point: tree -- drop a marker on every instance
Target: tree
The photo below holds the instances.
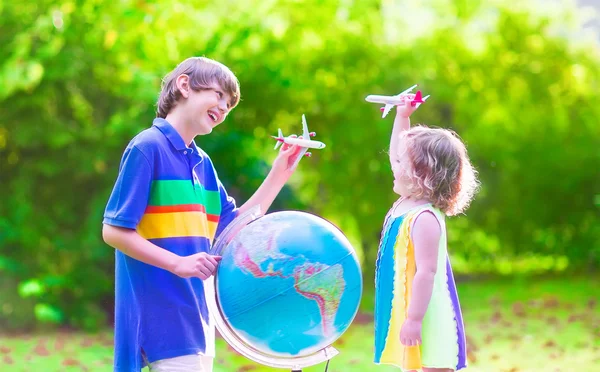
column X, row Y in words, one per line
column 78, row 79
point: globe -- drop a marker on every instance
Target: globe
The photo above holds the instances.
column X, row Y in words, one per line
column 288, row 285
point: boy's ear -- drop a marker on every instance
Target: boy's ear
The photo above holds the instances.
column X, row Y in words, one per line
column 183, row 85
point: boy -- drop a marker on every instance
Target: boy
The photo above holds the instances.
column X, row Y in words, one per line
column 165, row 210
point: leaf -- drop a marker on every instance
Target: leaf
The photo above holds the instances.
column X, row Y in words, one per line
column 31, row 288
column 46, row 313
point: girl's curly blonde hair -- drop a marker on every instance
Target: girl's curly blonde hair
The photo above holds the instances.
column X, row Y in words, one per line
column 438, row 168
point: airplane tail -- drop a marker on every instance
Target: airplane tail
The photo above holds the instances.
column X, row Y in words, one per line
column 279, row 139
column 418, row 98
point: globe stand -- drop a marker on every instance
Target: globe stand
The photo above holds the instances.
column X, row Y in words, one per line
column 326, row 367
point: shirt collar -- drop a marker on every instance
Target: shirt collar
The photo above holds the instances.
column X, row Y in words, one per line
column 167, row 129
column 173, row 136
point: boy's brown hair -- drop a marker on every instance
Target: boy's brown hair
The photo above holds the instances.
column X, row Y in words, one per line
column 202, row 72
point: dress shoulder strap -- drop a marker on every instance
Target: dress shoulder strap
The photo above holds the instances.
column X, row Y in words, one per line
column 439, row 215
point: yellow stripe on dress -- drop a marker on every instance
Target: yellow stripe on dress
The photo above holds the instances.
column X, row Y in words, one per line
column 176, row 224
column 407, row 357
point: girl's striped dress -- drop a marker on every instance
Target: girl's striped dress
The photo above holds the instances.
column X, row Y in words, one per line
column 443, row 337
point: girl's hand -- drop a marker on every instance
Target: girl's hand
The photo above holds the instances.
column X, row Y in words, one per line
column 410, row 333
column 406, row 109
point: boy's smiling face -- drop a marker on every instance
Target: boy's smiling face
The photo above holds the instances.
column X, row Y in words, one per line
column 203, row 109
column 207, row 108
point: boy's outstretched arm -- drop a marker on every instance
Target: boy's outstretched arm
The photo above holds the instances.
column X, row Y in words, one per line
column 275, row 180
column 128, row 241
column 426, row 237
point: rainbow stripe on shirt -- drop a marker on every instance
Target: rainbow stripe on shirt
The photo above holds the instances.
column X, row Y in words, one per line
column 177, row 208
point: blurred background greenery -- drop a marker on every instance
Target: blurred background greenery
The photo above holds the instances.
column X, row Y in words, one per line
column 519, row 81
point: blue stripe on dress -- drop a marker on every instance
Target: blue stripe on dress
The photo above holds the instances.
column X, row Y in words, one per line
column 384, row 285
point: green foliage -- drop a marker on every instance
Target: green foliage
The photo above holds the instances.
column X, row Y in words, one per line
column 78, row 79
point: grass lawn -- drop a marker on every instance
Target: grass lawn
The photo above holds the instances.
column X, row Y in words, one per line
column 511, row 325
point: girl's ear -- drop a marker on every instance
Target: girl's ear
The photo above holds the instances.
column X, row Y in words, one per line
column 183, row 85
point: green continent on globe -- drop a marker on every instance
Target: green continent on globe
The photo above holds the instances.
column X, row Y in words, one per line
column 265, row 260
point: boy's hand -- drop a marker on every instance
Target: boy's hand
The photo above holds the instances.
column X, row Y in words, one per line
column 410, row 333
column 282, row 165
column 201, row 265
column 405, row 110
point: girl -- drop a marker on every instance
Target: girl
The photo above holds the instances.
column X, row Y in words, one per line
column 418, row 322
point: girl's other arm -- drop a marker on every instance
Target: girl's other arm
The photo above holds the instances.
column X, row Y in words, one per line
column 426, row 237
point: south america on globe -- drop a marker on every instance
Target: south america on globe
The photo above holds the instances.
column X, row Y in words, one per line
column 289, row 284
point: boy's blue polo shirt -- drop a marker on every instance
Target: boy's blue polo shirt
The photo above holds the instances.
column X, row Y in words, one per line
column 171, row 195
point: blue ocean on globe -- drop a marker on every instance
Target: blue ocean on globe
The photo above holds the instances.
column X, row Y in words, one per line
column 289, row 284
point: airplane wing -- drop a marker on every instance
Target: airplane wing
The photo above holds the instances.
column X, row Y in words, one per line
column 386, row 110
column 305, row 135
column 408, row 90
column 305, row 132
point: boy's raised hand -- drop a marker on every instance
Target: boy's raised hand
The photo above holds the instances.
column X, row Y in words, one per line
column 201, row 265
column 283, row 163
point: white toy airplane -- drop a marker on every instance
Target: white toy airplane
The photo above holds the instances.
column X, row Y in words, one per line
column 391, row 101
column 305, row 142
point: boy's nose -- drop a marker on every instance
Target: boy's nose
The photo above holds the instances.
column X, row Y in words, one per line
column 223, row 107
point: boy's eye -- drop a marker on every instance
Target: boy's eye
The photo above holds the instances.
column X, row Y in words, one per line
column 220, row 94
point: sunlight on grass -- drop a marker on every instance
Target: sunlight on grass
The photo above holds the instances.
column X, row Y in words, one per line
column 512, row 326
